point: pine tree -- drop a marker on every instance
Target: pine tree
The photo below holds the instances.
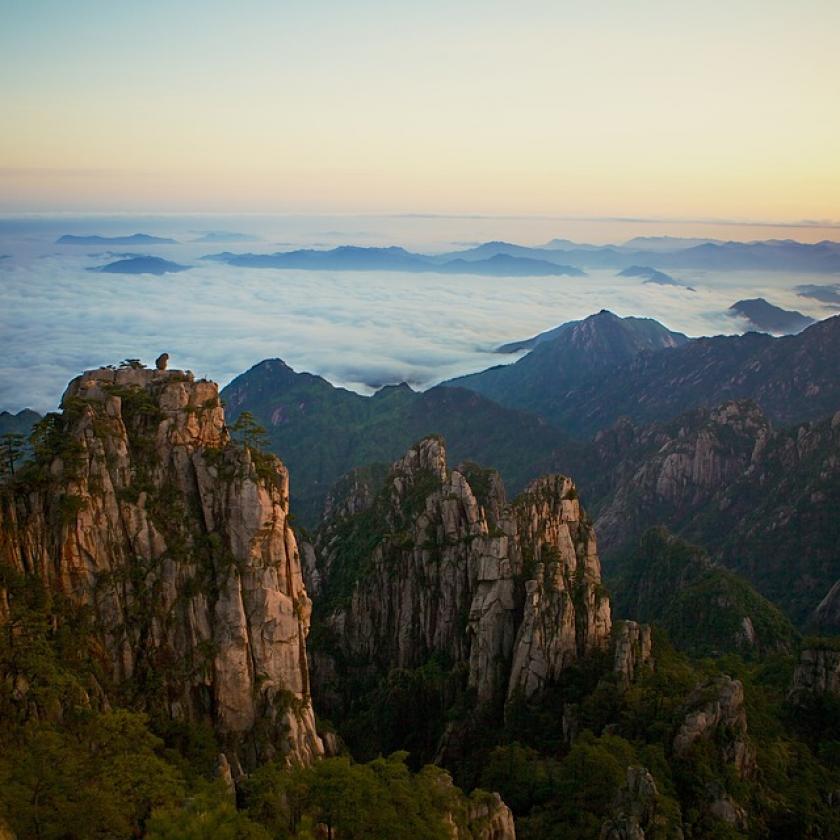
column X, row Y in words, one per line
column 11, row 451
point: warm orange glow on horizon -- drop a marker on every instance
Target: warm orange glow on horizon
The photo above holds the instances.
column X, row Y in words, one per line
column 671, row 110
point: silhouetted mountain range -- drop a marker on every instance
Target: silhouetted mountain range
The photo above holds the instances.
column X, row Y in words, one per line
column 224, row 236
column 353, row 258
column 558, row 257
column 770, row 255
column 132, row 239
column 20, row 423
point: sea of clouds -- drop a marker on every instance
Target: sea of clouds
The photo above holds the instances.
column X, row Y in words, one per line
column 357, row 329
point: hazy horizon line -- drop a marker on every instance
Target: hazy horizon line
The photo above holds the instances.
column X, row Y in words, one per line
column 391, row 214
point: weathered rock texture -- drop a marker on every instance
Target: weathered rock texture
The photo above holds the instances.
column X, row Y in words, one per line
column 762, row 501
column 826, row 617
column 178, row 541
column 674, row 470
column 489, row 819
column 633, row 651
column 817, row 673
column 438, row 562
column 716, row 710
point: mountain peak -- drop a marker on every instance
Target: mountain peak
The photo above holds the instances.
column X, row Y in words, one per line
column 427, row 456
column 766, row 317
column 607, row 332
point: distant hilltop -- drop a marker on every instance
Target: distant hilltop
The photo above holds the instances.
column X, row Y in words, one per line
column 765, row 317
column 133, row 239
column 652, row 276
column 141, row 265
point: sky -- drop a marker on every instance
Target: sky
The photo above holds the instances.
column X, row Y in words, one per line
column 673, row 110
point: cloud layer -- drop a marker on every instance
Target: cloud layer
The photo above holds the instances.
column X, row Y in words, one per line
column 357, row 329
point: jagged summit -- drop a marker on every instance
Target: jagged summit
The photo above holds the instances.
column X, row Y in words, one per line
column 427, row 456
column 437, row 563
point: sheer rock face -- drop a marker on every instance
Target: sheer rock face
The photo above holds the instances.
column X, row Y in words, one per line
column 633, row 651
column 826, row 617
column 566, row 614
column 817, row 674
column 509, row 592
column 718, row 706
column 178, row 540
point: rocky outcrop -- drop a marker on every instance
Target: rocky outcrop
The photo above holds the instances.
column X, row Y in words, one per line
column 141, row 509
column 817, row 674
column 633, row 651
column 723, row 807
column 826, row 617
column 716, row 710
column 761, row 501
column 481, row 816
column 566, row 612
column 510, row 593
column 679, row 467
column 634, row 812
column 489, row 819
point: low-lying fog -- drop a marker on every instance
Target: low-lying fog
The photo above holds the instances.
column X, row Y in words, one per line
column 357, row 329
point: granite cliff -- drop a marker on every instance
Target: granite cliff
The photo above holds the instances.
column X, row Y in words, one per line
column 141, row 511
column 437, row 567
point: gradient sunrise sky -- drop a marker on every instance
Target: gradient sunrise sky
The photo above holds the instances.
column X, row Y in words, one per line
column 673, row 109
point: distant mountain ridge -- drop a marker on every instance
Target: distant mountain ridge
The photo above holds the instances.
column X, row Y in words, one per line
column 568, row 258
column 828, row 293
column 224, row 236
column 707, row 255
column 324, row 431
column 132, row 239
column 20, row 423
column 354, row 258
column 583, row 380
